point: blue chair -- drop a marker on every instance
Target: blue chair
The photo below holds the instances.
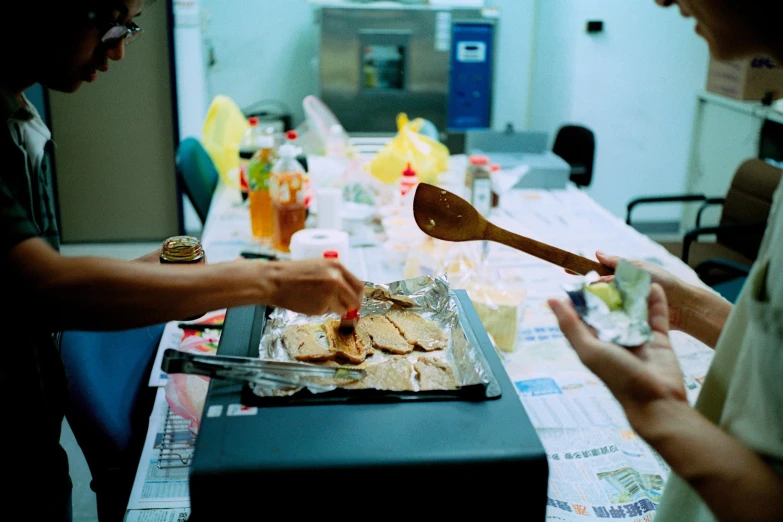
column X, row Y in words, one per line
column 197, row 174
column 109, row 407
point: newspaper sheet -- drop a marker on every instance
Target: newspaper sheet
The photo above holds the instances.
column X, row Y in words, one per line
column 158, row 515
column 203, row 341
column 162, row 477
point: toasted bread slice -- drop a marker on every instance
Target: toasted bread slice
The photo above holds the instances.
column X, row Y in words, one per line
column 383, row 334
column 344, row 345
column 435, row 374
column 417, row 330
column 363, row 339
column 394, row 374
column 307, row 343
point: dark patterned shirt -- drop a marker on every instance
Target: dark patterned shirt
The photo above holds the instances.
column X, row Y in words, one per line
column 33, row 384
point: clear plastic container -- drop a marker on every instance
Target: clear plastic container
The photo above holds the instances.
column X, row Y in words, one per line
column 259, row 172
column 251, row 142
column 287, row 190
column 478, row 183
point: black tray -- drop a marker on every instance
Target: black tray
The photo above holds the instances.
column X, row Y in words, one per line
column 471, row 326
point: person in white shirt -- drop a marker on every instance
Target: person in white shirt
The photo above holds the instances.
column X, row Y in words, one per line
column 726, row 453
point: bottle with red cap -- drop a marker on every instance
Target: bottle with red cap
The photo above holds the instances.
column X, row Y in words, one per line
column 288, row 190
column 351, row 317
column 407, row 186
column 251, row 142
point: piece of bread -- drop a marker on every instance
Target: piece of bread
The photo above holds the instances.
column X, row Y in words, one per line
column 417, row 330
column 394, row 374
column 435, row 374
column 308, row 343
column 383, row 333
column 344, row 345
column 363, row 339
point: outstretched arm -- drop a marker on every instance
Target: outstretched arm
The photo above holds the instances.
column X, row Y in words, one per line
column 734, row 481
column 103, row 294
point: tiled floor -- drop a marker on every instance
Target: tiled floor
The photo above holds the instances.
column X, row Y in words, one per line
column 84, row 508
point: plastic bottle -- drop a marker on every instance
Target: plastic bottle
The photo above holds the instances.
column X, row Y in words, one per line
column 259, row 171
column 247, row 147
column 287, row 190
column 479, row 183
column 407, row 187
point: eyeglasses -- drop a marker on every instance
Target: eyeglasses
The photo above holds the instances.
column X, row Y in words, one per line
column 118, row 32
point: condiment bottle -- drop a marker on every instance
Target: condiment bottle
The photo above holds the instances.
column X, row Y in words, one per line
column 259, row 171
column 182, row 249
column 287, row 190
column 351, row 317
column 479, row 176
column 407, row 186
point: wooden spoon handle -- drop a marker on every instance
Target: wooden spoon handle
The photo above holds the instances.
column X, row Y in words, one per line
column 580, row 265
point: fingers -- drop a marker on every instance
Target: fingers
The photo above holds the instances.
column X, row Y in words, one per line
column 354, row 282
column 350, row 289
column 575, row 330
column 606, row 259
column 610, row 362
column 658, row 309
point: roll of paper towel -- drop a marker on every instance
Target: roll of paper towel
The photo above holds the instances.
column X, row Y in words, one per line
column 311, row 243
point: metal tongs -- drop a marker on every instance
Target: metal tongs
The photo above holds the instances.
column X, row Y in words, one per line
column 258, row 372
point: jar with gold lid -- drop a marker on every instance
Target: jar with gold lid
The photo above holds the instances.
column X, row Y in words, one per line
column 182, row 249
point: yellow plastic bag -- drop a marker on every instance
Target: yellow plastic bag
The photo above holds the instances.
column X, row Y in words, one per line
column 223, row 129
column 428, row 157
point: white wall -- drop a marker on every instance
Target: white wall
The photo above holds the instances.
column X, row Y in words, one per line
column 514, row 62
column 263, row 49
column 635, row 85
column 192, row 97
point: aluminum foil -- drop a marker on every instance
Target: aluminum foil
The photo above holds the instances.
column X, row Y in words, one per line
column 432, row 300
column 627, row 325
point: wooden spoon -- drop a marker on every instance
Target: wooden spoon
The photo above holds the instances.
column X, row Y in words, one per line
column 444, row 215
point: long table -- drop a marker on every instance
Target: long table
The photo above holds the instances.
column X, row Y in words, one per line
column 599, row 468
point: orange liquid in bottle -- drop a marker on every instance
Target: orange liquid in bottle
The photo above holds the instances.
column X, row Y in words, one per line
column 288, row 219
column 261, row 213
column 289, row 211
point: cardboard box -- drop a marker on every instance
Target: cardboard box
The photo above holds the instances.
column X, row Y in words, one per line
column 748, row 79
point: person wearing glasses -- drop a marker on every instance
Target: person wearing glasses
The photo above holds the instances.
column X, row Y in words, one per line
column 726, row 453
column 62, row 45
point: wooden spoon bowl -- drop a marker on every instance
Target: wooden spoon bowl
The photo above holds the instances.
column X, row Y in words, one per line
column 444, row 215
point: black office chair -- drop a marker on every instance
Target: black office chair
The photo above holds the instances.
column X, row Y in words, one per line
column 109, row 405
column 576, row 145
column 197, row 174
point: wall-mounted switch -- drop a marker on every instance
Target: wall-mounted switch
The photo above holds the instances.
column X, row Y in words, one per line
column 595, row 26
